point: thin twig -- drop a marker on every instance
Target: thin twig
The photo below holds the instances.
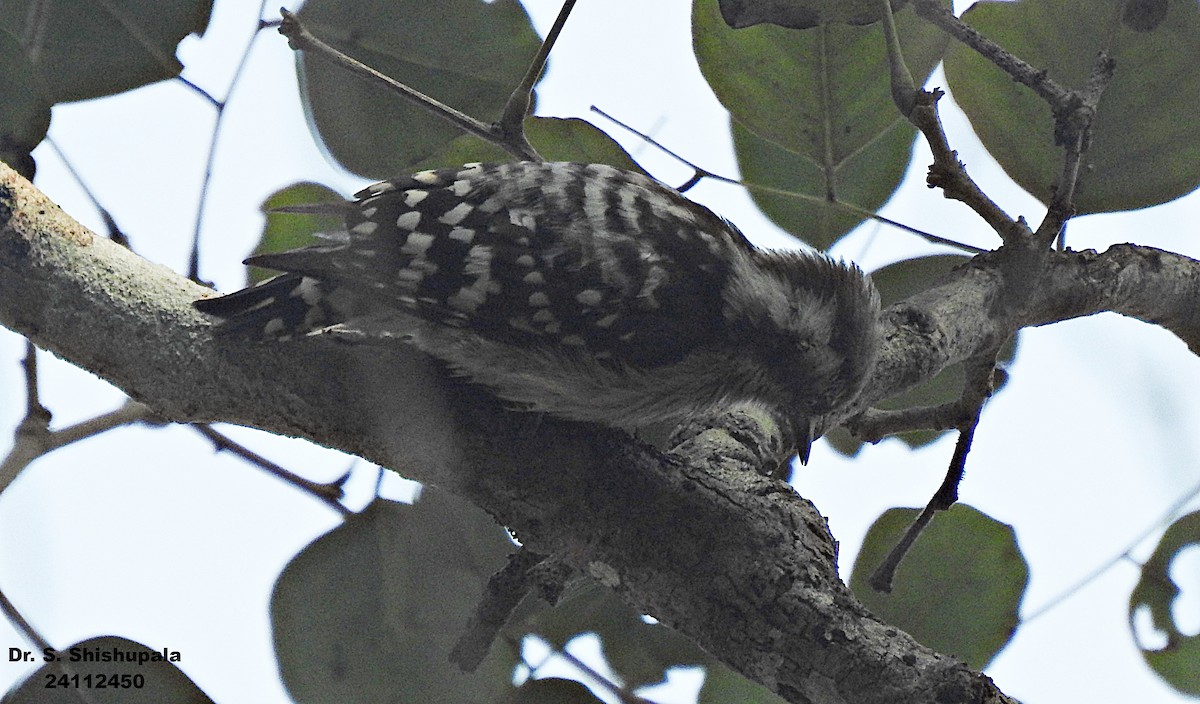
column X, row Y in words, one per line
column 329, row 493
column 874, row 424
column 623, row 694
column 302, row 40
column 975, row 393
column 1127, row 554
column 34, row 438
column 950, row 175
column 1074, row 131
column 33, row 636
column 702, row 173
column 1020, row 71
column 130, row 412
column 114, row 231
column 512, row 120
column 503, row 594
column 904, row 91
column 33, row 402
column 219, row 105
column 883, row 576
column 920, row 108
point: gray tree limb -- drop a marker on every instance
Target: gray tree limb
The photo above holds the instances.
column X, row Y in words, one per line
column 732, row 559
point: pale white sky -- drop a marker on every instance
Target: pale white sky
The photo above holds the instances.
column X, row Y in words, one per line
column 145, row 533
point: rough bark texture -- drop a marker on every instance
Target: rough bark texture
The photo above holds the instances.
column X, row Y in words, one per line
column 732, row 559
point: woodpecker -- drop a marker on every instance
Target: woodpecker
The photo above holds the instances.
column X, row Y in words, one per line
column 580, row 290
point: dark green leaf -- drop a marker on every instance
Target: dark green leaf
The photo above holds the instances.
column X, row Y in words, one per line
column 559, row 139
column 866, row 179
column 163, row 682
column 639, row 652
column 960, row 586
column 468, row 54
column 1178, row 662
column 1144, row 15
column 284, row 231
column 1146, row 141
column 24, row 112
column 556, row 139
column 724, row 686
column 802, row 14
column 822, row 95
column 82, row 49
column 369, row 611
column 552, row 690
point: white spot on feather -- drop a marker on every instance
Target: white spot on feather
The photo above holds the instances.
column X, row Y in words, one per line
column 456, row 214
column 417, row 244
column 589, row 297
column 428, row 178
column 409, row 220
column 365, row 228
column 308, row 291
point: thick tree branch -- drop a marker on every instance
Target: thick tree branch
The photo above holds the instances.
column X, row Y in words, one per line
column 733, row 559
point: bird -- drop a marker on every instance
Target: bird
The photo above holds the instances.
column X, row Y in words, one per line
column 584, row 291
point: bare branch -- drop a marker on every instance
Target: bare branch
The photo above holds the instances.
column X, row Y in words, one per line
column 950, row 175
column 976, row 392
column 1074, row 131
column 302, row 40
column 1022, row 72
column 34, row 437
column 328, row 493
column 131, row 322
column 218, row 123
column 512, row 120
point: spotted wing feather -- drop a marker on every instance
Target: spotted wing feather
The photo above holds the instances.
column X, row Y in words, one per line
column 558, row 254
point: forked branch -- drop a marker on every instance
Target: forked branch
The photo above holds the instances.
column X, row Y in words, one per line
column 508, row 132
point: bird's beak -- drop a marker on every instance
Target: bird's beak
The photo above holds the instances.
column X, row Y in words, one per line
column 804, row 441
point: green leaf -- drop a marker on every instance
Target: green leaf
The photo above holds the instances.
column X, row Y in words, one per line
column 824, row 96
column 572, row 139
column 556, row 139
column 724, row 686
column 960, row 586
column 802, row 14
column 284, row 231
column 468, row 54
column 866, row 179
column 1146, row 141
column 83, row 49
column 24, row 112
column 1178, row 662
column 552, row 690
column 162, row 682
column 639, row 652
column 369, row 611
